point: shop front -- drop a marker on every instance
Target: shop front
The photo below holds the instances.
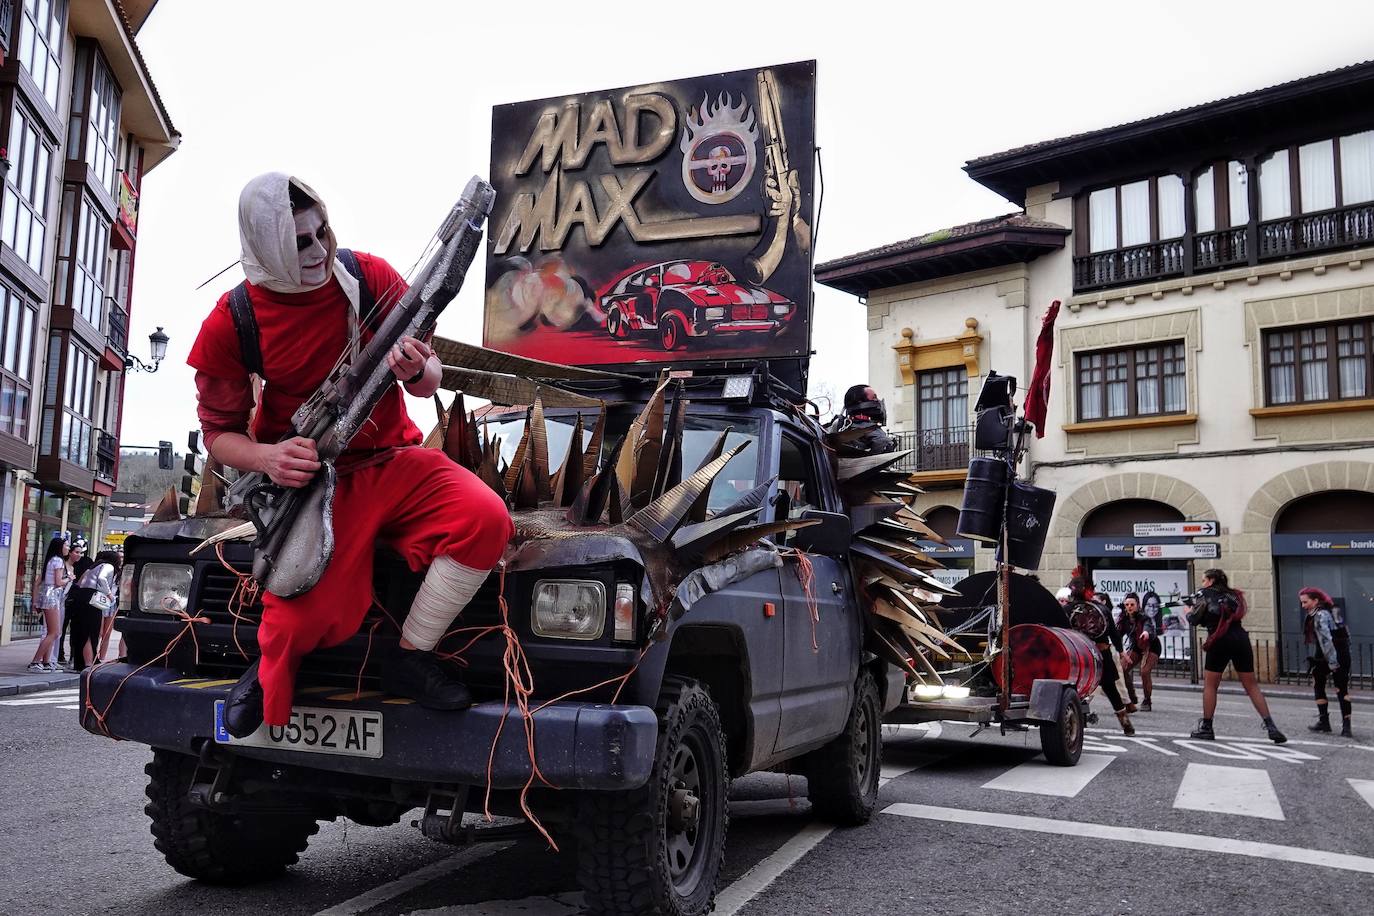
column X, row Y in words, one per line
column 1326, row 541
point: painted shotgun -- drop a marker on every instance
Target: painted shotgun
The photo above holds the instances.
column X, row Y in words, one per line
column 295, row 531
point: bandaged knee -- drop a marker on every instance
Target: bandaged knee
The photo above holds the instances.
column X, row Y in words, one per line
column 447, row 589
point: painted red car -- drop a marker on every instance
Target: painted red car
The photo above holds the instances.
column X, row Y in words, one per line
column 681, row 299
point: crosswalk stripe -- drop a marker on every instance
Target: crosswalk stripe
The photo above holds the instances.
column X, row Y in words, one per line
column 1041, row 778
column 1228, row 790
column 40, row 700
column 1365, row 788
column 1166, row 838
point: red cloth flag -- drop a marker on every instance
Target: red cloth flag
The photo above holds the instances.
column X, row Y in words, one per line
column 1038, row 394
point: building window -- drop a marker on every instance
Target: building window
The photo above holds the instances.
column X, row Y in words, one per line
column 40, row 45
column 83, row 260
column 1135, row 213
column 1328, row 362
column 79, row 404
column 95, row 118
column 942, row 422
column 1136, row 382
column 23, row 224
column 18, row 319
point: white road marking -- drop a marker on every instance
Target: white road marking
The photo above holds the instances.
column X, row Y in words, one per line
column 753, row 882
column 42, row 699
column 73, row 706
column 407, row 883
column 1279, row 752
column 1365, row 787
column 1213, row 749
column 1150, row 743
column 1041, row 778
column 1241, row 738
column 1228, row 790
column 1166, row 838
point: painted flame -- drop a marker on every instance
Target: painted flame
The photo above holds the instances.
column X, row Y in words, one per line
column 709, row 118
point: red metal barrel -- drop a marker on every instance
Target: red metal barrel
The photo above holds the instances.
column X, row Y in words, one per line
column 1039, row 651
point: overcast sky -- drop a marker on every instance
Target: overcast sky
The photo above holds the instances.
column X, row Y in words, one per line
column 386, row 110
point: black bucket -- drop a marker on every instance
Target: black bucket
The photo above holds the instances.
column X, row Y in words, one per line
column 992, row 429
column 980, row 516
column 1028, row 522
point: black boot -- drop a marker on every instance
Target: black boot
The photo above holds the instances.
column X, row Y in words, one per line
column 1345, row 728
column 1323, row 721
column 243, row 704
column 421, row 676
column 1275, row 735
column 1203, row 731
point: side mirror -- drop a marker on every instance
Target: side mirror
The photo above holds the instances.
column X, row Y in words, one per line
column 831, row 537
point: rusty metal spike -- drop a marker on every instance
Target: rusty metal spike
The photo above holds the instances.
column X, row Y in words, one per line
column 883, row 646
column 568, row 483
column 751, row 500
column 748, row 534
column 455, row 432
column 526, row 492
column 628, row 467
column 211, row 496
column 539, row 450
column 647, row 452
column 854, row 468
column 689, row 540
column 666, row 514
column 592, row 456
column 513, row 469
column 698, row 511
column 598, row 489
column 490, row 476
column 473, row 447
column 168, row 508
column 669, row 472
column 615, row 502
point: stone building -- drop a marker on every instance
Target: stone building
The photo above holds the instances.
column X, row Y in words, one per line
column 1214, row 357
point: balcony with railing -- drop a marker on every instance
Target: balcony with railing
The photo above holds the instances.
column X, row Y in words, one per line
column 106, row 455
column 944, row 449
column 116, row 334
column 1277, row 239
column 6, row 25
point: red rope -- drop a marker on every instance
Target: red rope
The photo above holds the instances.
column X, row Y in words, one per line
column 88, row 708
column 806, row 575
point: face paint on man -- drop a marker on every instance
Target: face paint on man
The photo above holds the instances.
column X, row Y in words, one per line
column 312, row 250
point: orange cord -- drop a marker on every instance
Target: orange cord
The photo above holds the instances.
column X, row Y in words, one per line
column 100, row 714
column 806, row 574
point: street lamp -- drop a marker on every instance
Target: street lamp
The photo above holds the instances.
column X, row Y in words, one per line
column 157, row 344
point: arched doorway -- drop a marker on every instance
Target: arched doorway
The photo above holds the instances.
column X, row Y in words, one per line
column 1106, row 546
column 1325, row 540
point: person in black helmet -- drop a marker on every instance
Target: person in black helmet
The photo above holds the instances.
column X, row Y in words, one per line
column 858, row 429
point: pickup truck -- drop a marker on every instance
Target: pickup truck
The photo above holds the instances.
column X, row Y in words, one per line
column 761, row 673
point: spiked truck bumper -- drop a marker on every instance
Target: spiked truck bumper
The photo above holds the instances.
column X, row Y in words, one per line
column 577, row 745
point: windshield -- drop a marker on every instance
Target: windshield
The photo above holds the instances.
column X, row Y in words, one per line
column 698, row 434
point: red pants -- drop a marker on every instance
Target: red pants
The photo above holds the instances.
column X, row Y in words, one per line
column 420, row 504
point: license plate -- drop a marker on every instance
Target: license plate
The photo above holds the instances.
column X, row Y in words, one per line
column 315, row 730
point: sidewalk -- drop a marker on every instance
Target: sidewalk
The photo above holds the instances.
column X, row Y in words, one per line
column 16, row 678
column 1287, row 691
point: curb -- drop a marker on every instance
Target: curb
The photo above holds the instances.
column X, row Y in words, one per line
column 12, row 686
column 1232, row 689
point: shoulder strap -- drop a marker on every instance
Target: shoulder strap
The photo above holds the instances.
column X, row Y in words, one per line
column 246, row 323
column 367, row 305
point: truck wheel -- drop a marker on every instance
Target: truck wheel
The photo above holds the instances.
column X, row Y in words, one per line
column 215, row 847
column 658, row 849
column 842, row 776
column 1062, row 739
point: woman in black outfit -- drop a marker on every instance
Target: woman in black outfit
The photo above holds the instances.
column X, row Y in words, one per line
column 1140, row 636
column 1325, row 632
column 1219, row 608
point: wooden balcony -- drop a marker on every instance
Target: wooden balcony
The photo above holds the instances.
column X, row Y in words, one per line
column 1276, row 240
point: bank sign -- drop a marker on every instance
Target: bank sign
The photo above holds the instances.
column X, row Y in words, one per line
column 655, row 223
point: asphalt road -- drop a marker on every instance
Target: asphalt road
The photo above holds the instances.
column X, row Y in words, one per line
column 1156, row 825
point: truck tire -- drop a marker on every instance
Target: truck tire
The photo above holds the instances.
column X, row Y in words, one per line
column 658, row 849
column 1062, row 739
column 216, row 847
column 842, row 776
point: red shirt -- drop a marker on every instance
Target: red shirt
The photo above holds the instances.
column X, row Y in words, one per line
column 301, row 336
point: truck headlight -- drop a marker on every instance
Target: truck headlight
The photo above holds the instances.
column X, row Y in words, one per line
column 164, row 588
column 715, row 313
column 569, row 608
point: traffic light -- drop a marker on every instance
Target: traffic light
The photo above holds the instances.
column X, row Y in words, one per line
column 193, row 442
column 166, row 461
column 189, row 465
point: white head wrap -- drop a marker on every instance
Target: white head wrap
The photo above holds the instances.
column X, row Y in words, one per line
column 267, row 236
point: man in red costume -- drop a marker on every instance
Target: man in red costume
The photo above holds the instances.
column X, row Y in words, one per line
column 434, row 513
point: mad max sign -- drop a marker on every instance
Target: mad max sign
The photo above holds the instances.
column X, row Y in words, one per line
column 657, row 223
